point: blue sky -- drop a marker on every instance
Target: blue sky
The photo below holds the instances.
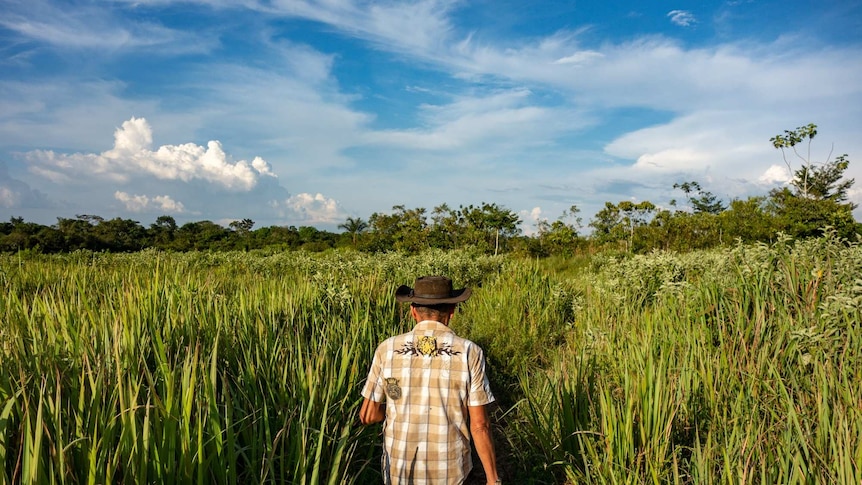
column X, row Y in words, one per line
column 295, row 112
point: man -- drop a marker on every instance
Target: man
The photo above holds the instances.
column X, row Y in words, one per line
column 430, row 387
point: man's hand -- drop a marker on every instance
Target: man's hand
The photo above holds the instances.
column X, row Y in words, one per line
column 372, row 412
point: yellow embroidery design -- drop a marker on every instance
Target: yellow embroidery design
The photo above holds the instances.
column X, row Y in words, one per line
column 427, row 346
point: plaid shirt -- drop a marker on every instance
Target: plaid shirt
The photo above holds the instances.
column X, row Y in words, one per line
column 428, row 377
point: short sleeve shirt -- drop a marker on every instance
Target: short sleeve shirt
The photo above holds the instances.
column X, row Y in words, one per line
column 427, row 377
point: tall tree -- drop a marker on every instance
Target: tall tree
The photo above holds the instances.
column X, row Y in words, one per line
column 561, row 236
column 618, row 222
column 354, row 227
column 403, row 230
column 819, row 194
column 162, row 231
column 490, row 224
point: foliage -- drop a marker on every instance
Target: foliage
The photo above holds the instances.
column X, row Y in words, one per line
column 704, row 201
column 714, row 366
column 818, row 198
column 561, row 236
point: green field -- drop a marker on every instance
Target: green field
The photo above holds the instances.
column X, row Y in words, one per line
column 729, row 366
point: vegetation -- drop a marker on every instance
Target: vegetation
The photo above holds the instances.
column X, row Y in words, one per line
column 729, row 365
column 719, row 345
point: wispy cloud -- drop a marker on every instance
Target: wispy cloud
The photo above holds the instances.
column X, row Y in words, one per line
column 683, row 18
column 94, row 26
column 500, row 117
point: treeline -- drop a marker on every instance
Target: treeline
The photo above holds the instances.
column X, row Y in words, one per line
column 814, row 201
column 489, row 228
column 94, row 233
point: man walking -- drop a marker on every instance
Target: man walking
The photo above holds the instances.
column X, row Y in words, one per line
column 430, row 389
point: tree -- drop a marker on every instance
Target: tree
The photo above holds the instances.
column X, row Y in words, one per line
column 749, row 220
column 121, row 235
column 200, row 236
column 78, row 233
column 242, row 227
column 561, row 236
column 242, row 230
column 810, row 180
column 354, row 227
column 819, row 193
column 704, row 202
column 617, row 221
column 607, row 224
column 162, row 231
column 501, row 221
column 489, row 222
column 403, row 230
column 17, row 235
column 445, row 227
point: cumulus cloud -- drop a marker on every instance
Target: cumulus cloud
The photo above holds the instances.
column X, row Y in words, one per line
column 132, row 156
column 311, row 209
column 141, row 203
column 683, row 18
column 530, row 220
column 776, row 174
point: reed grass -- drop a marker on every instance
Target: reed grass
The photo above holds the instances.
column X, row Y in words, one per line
column 737, row 365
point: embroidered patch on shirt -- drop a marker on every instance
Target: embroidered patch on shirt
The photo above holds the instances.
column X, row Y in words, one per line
column 426, row 346
column 392, row 388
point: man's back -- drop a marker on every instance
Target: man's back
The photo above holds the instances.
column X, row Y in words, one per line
column 429, row 377
column 435, row 391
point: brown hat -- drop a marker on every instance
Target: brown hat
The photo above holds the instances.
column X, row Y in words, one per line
column 432, row 290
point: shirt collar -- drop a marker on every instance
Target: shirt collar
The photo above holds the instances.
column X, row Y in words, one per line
column 431, row 325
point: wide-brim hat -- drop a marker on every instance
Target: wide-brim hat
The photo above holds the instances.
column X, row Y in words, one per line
column 432, row 290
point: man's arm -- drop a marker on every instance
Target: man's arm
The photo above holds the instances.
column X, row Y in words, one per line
column 480, row 429
column 372, row 411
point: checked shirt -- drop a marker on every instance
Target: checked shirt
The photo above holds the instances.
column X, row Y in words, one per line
column 427, row 377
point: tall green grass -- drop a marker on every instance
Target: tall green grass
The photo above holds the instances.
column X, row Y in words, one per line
column 737, row 365
column 156, row 368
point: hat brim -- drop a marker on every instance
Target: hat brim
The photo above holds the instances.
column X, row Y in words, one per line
column 405, row 294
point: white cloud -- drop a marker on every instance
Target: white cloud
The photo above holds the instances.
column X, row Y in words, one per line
column 673, row 160
column 132, row 156
column 854, row 195
column 683, row 18
column 94, row 27
column 775, row 174
column 494, row 121
column 401, row 26
column 311, row 209
column 580, row 57
column 8, row 198
column 530, row 220
column 141, row 203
